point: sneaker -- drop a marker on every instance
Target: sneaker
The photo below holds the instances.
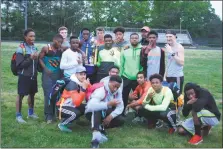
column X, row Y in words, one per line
column 137, row 119
column 103, row 139
column 195, row 140
column 49, row 121
column 64, row 128
column 19, row 119
column 33, row 116
column 206, row 130
column 95, row 144
column 171, row 130
column 159, row 124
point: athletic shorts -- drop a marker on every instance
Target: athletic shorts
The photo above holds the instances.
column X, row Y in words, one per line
column 206, row 118
column 27, row 85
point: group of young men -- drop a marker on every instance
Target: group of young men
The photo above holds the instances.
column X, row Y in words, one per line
column 102, row 78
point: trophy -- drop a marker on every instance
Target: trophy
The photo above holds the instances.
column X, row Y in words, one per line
column 94, row 56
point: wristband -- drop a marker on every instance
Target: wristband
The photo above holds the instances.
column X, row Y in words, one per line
column 173, row 54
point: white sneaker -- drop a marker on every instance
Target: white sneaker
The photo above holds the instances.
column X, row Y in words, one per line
column 33, row 116
column 137, row 119
column 159, row 124
column 19, row 119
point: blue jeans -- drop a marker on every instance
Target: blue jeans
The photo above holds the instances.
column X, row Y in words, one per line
column 47, row 84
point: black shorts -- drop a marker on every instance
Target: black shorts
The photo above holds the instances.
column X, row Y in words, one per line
column 27, row 85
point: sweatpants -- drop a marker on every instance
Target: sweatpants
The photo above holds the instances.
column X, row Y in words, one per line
column 69, row 114
column 128, row 85
column 47, row 83
column 179, row 81
column 97, row 118
column 168, row 116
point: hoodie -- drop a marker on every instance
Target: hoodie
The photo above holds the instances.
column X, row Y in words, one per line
column 205, row 100
column 99, row 99
column 130, row 62
column 73, row 93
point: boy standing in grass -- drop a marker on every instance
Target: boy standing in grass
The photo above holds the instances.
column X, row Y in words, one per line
column 26, row 62
column 71, row 58
column 63, row 32
column 107, row 58
column 50, row 56
column 205, row 113
column 119, row 41
column 130, row 66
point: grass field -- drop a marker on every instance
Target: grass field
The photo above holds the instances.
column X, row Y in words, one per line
column 202, row 67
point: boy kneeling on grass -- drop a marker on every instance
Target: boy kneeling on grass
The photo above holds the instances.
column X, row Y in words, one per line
column 70, row 103
column 157, row 104
column 138, row 95
column 205, row 113
column 104, row 108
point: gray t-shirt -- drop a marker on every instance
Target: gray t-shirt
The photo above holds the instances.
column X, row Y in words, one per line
column 173, row 68
column 153, row 61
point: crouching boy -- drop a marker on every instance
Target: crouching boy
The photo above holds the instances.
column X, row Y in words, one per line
column 205, row 114
column 104, row 108
column 70, row 103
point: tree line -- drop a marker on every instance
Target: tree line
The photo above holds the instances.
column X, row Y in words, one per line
column 45, row 17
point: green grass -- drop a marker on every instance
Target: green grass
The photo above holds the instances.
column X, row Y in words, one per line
column 203, row 67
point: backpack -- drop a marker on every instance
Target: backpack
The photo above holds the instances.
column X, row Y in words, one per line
column 57, row 90
column 92, row 88
column 14, row 68
column 178, row 98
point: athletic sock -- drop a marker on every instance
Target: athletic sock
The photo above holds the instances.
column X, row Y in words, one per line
column 197, row 130
column 30, row 111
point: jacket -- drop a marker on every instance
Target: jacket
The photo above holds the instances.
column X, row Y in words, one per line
column 99, row 99
column 26, row 65
column 130, row 62
column 73, row 94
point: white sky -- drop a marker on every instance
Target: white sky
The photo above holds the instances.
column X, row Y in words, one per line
column 217, row 5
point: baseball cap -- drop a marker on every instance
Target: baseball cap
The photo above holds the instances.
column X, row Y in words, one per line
column 146, row 28
column 80, row 69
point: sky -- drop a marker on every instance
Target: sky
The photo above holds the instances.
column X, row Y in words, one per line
column 217, row 5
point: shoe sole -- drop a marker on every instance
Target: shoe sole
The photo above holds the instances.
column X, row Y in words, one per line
column 196, row 143
column 23, row 122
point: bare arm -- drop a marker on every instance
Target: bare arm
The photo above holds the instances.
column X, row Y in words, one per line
column 179, row 56
column 41, row 55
